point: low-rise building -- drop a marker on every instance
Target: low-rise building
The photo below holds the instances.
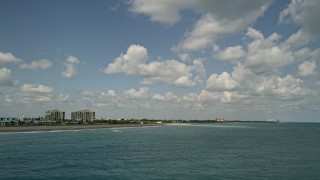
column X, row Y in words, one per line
column 83, row 116
column 9, row 121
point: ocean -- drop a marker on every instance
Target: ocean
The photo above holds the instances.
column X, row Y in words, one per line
column 198, row 151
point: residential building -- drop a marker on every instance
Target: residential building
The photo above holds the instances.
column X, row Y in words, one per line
column 54, row 115
column 8, row 121
column 83, row 116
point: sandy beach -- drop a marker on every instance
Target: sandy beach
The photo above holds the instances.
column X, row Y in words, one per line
column 67, row 127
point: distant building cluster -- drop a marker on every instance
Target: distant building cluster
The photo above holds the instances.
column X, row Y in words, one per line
column 51, row 117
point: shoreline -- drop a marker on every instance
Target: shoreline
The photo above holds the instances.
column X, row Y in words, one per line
column 5, row 129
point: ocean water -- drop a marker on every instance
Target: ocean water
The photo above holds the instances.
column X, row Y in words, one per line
column 204, row 151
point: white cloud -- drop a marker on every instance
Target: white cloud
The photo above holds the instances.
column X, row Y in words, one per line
column 87, row 94
column 298, row 39
column 34, row 93
column 307, row 68
column 221, row 82
column 8, row 99
column 208, row 98
column 168, row 12
column 231, row 54
column 71, row 67
column 145, row 105
column 128, row 63
column 199, row 70
column 264, row 55
column 212, row 26
column 184, row 81
column 289, row 87
column 135, row 62
column 219, row 18
column 36, row 89
column 242, row 74
column 5, row 77
column 64, row 98
column 41, row 99
column 304, row 13
column 227, row 97
column 185, row 57
column 6, row 57
column 268, row 87
column 103, row 99
column 36, row 65
column 205, row 31
column 110, row 93
column 142, row 93
column 168, row 96
column 166, row 71
column 254, row 34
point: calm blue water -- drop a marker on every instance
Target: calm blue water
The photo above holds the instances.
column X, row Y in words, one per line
column 206, row 151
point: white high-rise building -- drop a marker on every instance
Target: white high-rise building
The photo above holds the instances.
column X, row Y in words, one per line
column 54, row 115
column 84, row 116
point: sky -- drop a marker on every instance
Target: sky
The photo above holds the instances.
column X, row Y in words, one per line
column 183, row 59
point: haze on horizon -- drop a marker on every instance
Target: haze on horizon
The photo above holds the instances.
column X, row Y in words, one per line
column 184, row 59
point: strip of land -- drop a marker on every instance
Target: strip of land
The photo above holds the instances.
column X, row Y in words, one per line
column 67, row 127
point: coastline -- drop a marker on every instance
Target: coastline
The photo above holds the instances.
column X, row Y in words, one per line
column 67, row 127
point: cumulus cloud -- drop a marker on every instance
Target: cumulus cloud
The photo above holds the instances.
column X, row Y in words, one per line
column 231, row 54
column 304, row 13
column 216, row 24
column 37, row 65
column 264, row 55
column 142, row 93
column 64, row 98
column 307, row 68
column 306, row 54
column 199, row 69
column 8, row 99
column 205, row 31
column 221, row 82
column 109, row 98
column 184, row 81
column 297, row 39
column 168, row 12
column 185, row 57
column 110, row 93
column 218, row 18
column 6, row 57
column 135, row 62
column 36, row 89
column 34, row 93
column 5, row 77
column 87, row 94
column 128, row 63
column 204, row 98
column 168, row 96
column 71, row 67
column 289, row 88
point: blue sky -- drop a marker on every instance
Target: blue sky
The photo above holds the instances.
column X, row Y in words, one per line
column 247, row 60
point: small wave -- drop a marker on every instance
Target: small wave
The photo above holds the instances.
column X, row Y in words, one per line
column 42, row 131
column 23, row 132
column 66, row 130
column 116, row 130
column 223, row 126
